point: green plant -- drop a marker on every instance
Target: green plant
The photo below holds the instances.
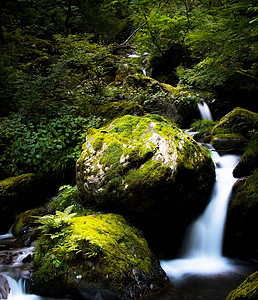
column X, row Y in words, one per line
column 54, row 225
column 67, row 196
column 49, row 146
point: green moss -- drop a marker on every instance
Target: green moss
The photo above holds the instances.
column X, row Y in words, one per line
column 120, row 108
column 13, row 182
column 239, row 120
column 247, row 196
column 248, row 290
column 101, row 249
column 26, row 220
column 149, row 175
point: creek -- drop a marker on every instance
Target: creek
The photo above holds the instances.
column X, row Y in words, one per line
column 199, row 273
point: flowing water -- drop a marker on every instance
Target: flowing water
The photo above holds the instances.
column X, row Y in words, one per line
column 201, row 272
column 202, row 248
column 204, row 111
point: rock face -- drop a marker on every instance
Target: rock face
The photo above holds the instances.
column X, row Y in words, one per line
column 240, row 235
column 16, row 195
column 98, row 255
column 248, row 290
column 145, row 167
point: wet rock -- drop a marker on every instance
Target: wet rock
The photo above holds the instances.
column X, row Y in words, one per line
column 4, row 287
column 229, row 143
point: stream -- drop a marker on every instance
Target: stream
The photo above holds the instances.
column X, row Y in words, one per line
column 199, row 273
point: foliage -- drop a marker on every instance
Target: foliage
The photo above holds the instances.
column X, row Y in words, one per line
column 52, row 224
column 67, row 196
column 40, row 148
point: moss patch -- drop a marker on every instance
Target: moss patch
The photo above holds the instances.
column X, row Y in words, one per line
column 239, row 120
column 248, row 290
column 98, row 250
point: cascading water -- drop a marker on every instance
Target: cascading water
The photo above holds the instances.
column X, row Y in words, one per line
column 202, row 250
column 204, row 111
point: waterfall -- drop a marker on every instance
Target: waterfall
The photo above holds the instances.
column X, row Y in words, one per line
column 204, row 111
column 202, row 248
column 17, row 290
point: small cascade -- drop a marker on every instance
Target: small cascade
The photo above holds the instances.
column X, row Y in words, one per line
column 204, row 111
column 18, row 290
column 202, row 249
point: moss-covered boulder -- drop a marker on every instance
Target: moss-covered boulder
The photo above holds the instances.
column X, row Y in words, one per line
column 230, row 142
column 248, row 290
column 249, row 160
column 145, row 167
column 239, row 120
column 16, row 195
column 240, row 235
column 99, row 256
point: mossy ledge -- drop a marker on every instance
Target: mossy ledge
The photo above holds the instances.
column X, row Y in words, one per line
column 98, row 252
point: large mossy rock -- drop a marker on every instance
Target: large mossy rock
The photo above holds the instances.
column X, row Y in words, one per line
column 242, row 222
column 16, row 195
column 239, row 120
column 145, row 167
column 248, row 290
column 100, row 256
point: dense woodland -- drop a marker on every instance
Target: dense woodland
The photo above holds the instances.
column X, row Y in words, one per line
column 59, row 59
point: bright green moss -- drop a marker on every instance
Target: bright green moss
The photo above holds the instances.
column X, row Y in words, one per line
column 147, row 176
column 100, row 249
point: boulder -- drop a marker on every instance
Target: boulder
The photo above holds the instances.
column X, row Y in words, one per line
column 98, row 256
column 16, row 195
column 248, row 290
column 239, row 120
column 240, row 234
column 248, row 162
column 146, row 168
column 229, row 143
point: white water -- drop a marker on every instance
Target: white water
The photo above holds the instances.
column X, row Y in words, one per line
column 204, row 111
column 17, row 290
column 202, row 249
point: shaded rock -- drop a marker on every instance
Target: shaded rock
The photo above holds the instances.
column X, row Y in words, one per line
column 146, row 168
column 24, row 228
column 230, row 143
column 248, row 290
column 239, row 120
column 4, row 287
column 248, row 162
column 99, row 256
column 240, row 235
column 17, row 194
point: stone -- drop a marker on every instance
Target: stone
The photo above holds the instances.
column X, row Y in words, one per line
column 145, row 168
column 97, row 255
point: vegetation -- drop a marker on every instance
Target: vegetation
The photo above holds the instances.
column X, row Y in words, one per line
column 97, row 249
